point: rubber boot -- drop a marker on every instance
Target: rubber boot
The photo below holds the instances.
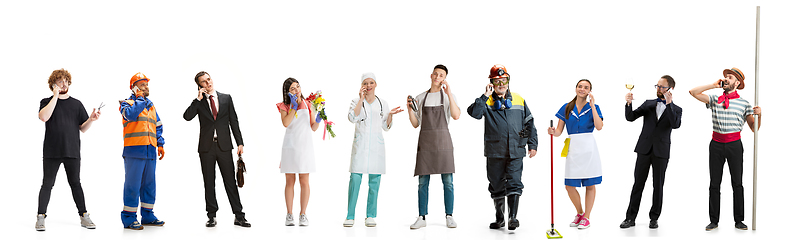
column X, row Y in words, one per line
column 512, row 202
column 499, row 223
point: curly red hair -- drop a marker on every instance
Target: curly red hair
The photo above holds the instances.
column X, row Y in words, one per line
column 59, row 74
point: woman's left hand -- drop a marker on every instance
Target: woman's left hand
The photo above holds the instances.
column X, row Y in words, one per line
column 396, row 110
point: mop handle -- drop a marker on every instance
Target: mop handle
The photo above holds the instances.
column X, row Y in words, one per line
column 551, row 124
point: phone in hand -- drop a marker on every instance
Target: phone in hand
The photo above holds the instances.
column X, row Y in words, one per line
column 722, row 84
column 136, row 89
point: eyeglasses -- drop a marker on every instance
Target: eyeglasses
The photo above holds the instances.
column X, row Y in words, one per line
column 501, row 81
column 661, row 87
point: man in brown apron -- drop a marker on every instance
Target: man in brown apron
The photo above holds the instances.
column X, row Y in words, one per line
column 435, row 152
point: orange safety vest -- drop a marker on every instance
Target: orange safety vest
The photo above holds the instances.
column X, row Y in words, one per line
column 141, row 131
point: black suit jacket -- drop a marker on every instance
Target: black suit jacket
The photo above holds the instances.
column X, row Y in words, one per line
column 226, row 119
column 656, row 133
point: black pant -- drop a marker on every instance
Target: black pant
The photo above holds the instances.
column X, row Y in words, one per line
column 719, row 154
column 72, row 168
column 659, row 165
column 504, row 175
column 208, row 161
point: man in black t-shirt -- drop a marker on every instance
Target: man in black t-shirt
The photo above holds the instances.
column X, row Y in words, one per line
column 63, row 117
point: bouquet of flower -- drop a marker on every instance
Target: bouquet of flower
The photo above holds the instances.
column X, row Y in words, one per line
column 318, row 102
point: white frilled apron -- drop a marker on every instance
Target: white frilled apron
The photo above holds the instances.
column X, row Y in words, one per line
column 298, row 152
column 583, row 159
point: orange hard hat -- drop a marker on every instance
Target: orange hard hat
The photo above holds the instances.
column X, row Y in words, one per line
column 498, row 71
column 138, row 77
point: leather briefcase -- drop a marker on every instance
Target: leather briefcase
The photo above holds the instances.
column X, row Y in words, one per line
column 241, row 168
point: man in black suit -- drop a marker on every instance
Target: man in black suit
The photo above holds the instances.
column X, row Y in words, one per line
column 217, row 116
column 660, row 116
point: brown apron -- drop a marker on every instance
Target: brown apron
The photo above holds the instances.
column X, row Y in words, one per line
column 435, row 152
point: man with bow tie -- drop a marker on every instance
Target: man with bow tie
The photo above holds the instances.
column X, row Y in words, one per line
column 660, row 117
column 729, row 114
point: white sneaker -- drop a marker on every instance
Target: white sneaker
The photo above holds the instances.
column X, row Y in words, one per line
column 370, row 222
column 86, row 222
column 450, row 222
column 40, row 222
column 349, row 222
column 289, row 220
column 303, row 220
column 420, row 223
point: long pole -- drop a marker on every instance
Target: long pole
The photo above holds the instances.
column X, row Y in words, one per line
column 552, row 177
column 756, row 118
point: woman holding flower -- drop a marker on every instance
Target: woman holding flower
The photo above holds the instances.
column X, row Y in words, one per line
column 297, row 153
column 368, row 113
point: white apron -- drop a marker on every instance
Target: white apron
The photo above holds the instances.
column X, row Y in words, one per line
column 298, row 152
column 583, row 159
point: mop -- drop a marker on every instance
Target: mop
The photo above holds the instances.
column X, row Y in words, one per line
column 552, row 233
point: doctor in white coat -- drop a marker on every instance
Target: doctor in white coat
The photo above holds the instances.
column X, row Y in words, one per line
column 371, row 117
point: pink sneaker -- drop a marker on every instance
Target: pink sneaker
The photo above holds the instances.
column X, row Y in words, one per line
column 585, row 223
column 578, row 217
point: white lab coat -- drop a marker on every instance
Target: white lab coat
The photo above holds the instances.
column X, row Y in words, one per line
column 368, row 146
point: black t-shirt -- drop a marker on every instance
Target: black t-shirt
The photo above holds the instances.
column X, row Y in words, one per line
column 62, row 130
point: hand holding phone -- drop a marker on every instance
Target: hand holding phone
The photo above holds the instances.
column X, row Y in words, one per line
column 201, row 93
column 137, row 91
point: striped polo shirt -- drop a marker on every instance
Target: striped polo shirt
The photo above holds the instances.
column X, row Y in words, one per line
column 730, row 120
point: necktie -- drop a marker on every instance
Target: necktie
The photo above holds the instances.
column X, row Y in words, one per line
column 213, row 107
column 726, row 98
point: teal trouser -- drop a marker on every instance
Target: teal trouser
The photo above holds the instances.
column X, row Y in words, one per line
column 354, row 189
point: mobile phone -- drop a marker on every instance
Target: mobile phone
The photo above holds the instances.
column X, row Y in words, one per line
column 136, row 89
column 490, row 88
column 722, row 84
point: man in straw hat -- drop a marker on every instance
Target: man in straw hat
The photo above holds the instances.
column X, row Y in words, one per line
column 729, row 114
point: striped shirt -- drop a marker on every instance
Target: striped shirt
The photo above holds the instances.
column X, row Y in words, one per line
column 730, row 120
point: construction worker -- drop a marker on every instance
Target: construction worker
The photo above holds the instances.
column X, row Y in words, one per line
column 142, row 135
column 509, row 128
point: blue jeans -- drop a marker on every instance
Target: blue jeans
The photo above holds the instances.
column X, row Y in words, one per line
column 423, row 193
column 354, row 189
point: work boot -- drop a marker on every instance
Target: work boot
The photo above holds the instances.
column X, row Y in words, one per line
column 512, row 202
column 499, row 204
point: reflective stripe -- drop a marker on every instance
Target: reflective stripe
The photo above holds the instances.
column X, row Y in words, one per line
column 141, row 119
column 142, row 131
column 129, row 209
column 158, row 124
column 140, row 134
column 147, row 205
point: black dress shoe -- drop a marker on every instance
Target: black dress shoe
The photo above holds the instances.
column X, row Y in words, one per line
column 741, row 226
column 653, row 224
column 211, row 222
column 627, row 223
column 712, row 226
column 242, row 222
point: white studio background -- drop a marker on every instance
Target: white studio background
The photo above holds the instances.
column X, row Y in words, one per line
column 249, row 48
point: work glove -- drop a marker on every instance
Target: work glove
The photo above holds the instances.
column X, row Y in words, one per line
column 160, row 152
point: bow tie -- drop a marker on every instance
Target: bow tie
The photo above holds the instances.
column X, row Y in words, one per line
column 726, row 98
column 661, row 100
